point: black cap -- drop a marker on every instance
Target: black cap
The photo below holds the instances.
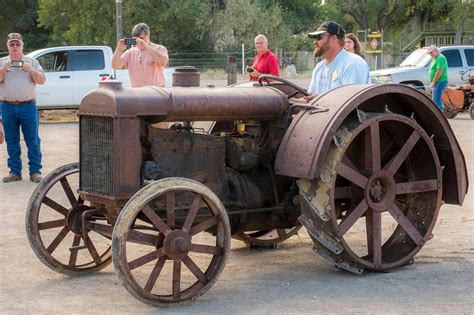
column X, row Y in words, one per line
column 328, row 27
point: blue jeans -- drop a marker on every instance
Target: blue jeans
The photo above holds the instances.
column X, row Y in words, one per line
column 437, row 92
column 25, row 116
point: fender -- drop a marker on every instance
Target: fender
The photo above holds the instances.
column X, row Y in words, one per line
column 305, row 145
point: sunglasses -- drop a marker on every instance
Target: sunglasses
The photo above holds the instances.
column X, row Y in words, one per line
column 14, row 44
column 320, row 36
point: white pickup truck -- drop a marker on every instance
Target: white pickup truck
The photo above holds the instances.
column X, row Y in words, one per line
column 72, row 71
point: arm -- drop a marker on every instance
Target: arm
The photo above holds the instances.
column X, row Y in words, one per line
column 37, row 76
column 117, row 62
column 6, row 67
column 438, row 74
column 160, row 58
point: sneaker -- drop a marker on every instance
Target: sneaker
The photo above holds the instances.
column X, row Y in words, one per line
column 36, row 177
column 12, row 177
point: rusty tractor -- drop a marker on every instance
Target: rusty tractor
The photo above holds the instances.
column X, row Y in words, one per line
column 457, row 99
column 363, row 168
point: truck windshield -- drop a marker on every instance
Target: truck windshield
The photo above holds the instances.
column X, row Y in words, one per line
column 418, row 58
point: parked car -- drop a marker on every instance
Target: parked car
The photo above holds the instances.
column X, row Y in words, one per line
column 414, row 69
column 72, row 71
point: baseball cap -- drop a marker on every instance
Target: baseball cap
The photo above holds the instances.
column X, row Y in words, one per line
column 431, row 49
column 328, row 27
column 14, row 36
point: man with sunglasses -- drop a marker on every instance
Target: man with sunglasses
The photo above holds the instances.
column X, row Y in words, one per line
column 146, row 61
column 19, row 75
column 338, row 66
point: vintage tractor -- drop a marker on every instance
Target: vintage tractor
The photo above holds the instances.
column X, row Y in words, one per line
column 457, row 99
column 363, row 168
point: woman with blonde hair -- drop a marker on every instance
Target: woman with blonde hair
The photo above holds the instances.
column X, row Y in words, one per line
column 351, row 44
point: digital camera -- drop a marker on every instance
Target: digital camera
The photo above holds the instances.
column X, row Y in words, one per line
column 17, row 63
column 250, row 69
column 130, row 41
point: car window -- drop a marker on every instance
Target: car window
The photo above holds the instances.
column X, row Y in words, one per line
column 417, row 58
column 88, row 60
column 54, row 62
column 453, row 56
column 469, row 56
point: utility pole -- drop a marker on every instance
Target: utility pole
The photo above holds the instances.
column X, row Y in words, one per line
column 118, row 15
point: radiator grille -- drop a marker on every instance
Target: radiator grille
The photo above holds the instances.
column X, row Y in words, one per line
column 96, row 155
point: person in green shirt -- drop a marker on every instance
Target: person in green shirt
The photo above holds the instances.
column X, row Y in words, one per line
column 438, row 75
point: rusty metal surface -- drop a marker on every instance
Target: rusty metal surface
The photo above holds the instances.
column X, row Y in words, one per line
column 186, row 76
column 175, row 104
column 389, row 171
column 311, row 132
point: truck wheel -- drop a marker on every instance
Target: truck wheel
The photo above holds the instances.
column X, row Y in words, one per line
column 54, row 229
column 471, row 110
column 160, row 250
column 379, row 191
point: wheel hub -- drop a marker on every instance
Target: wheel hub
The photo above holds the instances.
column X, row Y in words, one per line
column 74, row 217
column 380, row 191
column 177, row 244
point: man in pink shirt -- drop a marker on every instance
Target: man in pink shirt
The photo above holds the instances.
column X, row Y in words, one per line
column 265, row 62
column 146, row 61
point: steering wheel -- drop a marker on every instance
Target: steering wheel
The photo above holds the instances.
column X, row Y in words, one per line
column 268, row 77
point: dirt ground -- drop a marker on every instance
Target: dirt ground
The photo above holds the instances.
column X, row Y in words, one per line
column 289, row 279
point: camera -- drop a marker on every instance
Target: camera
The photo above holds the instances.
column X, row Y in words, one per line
column 17, row 63
column 130, row 41
column 250, row 69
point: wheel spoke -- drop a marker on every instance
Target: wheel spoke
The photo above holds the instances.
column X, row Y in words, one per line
column 206, row 249
column 154, row 274
column 377, row 238
column 156, row 220
column 170, row 208
column 92, row 250
column 342, row 192
column 51, row 224
column 198, row 228
column 372, row 147
column 57, row 240
column 401, row 156
column 349, row 221
column 352, row 175
column 192, row 213
column 369, row 229
column 73, row 256
column 176, row 279
column 409, row 228
column 195, row 270
column 142, row 238
column 69, row 193
column 145, row 259
column 55, row 206
column 418, row 186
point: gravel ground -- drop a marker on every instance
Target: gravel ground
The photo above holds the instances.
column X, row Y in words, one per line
column 289, row 279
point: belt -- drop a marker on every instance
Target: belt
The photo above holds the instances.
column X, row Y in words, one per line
column 18, row 103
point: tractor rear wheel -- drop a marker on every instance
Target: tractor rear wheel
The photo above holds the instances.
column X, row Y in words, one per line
column 378, row 196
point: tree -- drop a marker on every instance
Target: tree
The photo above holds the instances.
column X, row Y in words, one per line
column 20, row 16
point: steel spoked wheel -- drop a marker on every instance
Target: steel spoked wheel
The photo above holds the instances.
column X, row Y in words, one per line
column 267, row 237
column 54, row 225
column 384, row 192
column 160, row 249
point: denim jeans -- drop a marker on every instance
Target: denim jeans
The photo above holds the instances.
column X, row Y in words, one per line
column 437, row 92
column 26, row 117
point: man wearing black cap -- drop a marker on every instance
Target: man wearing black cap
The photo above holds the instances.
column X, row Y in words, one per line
column 19, row 75
column 339, row 67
